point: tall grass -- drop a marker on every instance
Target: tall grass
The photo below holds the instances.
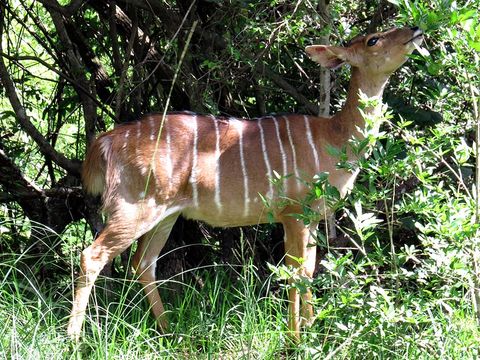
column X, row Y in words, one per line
column 232, row 315
column 402, row 291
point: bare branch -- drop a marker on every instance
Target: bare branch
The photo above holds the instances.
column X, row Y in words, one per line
column 12, row 180
column 78, row 71
column 123, row 75
column 324, row 83
column 384, row 11
column 72, row 81
column 24, row 121
column 154, row 61
column 67, row 10
column 289, row 89
column 92, row 63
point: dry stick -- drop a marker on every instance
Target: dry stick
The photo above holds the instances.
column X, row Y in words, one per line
column 123, row 75
column 476, row 251
column 17, row 59
column 167, row 102
column 167, row 47
column 324, row 102
column 24, row 120
column 177, row 71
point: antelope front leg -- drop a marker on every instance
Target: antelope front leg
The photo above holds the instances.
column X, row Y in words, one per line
column 88, row 274
column 299, row 245
column 306, row 310
column 111, row 242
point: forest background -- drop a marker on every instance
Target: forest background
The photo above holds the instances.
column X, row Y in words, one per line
column 402, row 280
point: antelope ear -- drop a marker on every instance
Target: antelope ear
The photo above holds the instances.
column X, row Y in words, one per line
column 330, row 57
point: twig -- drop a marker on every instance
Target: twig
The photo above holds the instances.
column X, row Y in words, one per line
column 476, row 250
column 78, row 86
column 282, row 83
column 123, row 75
column 24, row 121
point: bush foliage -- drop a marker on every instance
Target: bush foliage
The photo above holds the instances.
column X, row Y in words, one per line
column 405, row 283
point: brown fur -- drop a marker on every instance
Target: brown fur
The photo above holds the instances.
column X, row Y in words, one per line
column 213, row 170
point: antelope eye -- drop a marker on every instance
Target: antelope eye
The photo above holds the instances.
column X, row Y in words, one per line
column 372, row 41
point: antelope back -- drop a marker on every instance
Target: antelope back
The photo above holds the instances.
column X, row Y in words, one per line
column 212, row 169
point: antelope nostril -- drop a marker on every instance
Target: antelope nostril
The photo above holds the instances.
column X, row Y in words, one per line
column 414, row 28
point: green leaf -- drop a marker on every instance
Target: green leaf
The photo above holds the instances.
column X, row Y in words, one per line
column 424, row 52
column 475, row 45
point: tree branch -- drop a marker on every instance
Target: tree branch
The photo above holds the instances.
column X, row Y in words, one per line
column 384, row 11
column 67, row 10
column 92, row 63
column 46, row 149
column 55, row 208
column 71, row 81
column 153, row 60
column 289, row 89
column 13, row 182
column 77, row 69
column 324, row 83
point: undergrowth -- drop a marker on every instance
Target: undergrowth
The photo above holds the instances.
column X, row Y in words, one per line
column 237, row 316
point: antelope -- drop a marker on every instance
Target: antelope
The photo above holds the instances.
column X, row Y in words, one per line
column 215, row 169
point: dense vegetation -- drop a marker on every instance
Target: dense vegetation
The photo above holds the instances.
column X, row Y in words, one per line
column 403, row 282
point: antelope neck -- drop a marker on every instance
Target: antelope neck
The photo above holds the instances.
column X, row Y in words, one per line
column 372, row 86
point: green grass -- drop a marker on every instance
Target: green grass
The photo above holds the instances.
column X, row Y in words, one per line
column 233, row 315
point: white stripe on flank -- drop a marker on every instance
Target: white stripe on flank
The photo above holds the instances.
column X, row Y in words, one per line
column 294, row 154
column 282, row 153
column 312, row 144
column 238, row 124
column 217, row 165
column 168, row 155
column 265, row 158
column 193, row 176
column 138, row 149
column 152, row 130
column 139, row 130
column 127, row 134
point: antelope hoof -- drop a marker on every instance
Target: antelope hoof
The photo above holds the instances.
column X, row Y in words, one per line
column 163, row 324
column 74, row 330
column 307, row 321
